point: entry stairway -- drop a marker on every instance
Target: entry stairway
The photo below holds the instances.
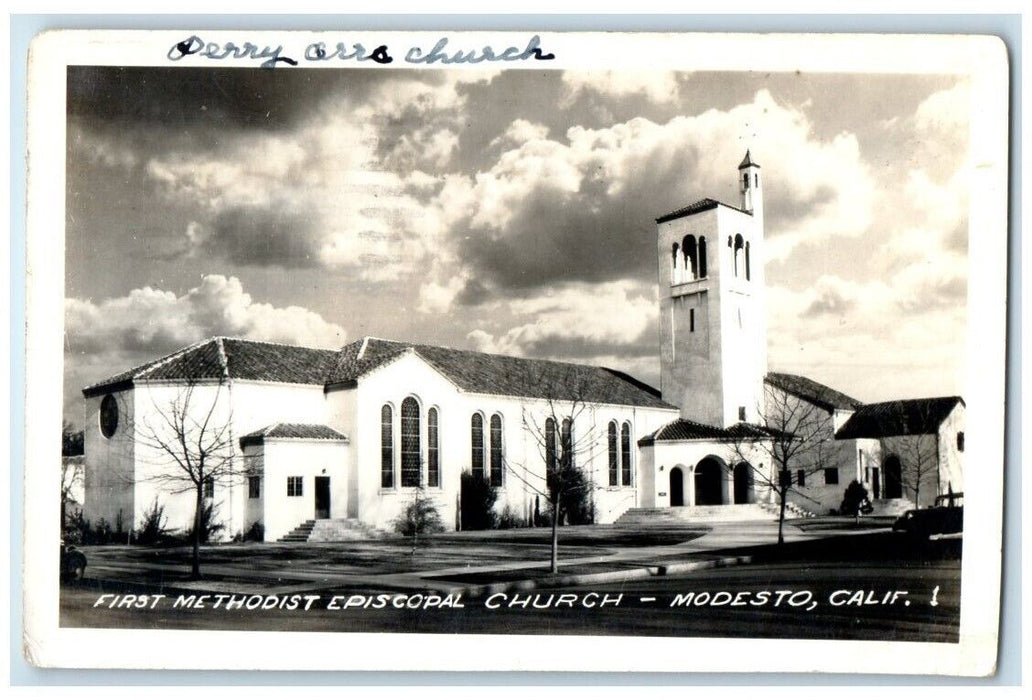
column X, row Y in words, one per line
column 332, row 530
column 680, row 515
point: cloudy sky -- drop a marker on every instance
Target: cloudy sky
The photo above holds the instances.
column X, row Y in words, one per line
column 509, row 212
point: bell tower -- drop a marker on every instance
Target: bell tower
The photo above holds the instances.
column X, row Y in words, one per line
column 713, row 325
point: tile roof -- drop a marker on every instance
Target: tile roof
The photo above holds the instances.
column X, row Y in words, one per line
column 682, row 429
column 292, row 431
column 229, row 357
column 483, row 373
column 892, row 418
column 473, row 372
column 695, row 208
column 814, row 392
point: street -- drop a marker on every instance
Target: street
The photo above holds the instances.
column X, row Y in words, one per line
column 862, row 600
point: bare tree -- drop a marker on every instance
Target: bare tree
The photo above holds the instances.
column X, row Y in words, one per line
column 566, row 437
column 919, row 462
column 190, row 443
column 795, row 436
column 73, row 468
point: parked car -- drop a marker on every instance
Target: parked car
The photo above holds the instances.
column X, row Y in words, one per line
column 945, row 517
column 73, row 563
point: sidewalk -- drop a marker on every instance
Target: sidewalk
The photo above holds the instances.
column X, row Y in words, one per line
column 714, row 549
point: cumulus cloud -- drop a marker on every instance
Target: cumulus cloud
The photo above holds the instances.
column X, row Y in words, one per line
column 656, row 85
column 582, row 321
column 579, row 208
column 152, row 322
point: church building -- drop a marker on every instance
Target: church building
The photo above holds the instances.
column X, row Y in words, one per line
column 332, row 441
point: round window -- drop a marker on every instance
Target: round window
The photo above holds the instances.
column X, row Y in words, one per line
column 108, row 416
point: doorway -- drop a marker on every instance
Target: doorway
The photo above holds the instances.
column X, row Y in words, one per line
column 322, row 497
column 676, row 487
column 709, row 483
column 893, row 477
column 744, row 484
column 876, row 483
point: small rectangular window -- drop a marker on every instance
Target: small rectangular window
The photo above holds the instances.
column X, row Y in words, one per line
column 209, row 488
column 831, row 476
column 295, row 486
column 960, row 441
column 800, row 477
column 741, row 413
column 254, row 487
column 691, row 320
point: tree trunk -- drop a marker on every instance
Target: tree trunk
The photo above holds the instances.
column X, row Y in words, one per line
column 195, row 564
column 781, row 515
column 555, row 538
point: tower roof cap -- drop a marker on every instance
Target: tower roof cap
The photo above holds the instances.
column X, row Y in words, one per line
column 747, row 162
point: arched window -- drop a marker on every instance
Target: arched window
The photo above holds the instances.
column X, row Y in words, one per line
column 625, row 454
column 477, row 444
column 386, row 447
column 551, row 462
column 960, row 441
column 702, row 256
column 691, row 258
column 747, row 270
column 433, row 450
column 496, row 450
column 739, row 245
column 566, row 444
column 614, row 456
column 410, row 447
column 675, row 272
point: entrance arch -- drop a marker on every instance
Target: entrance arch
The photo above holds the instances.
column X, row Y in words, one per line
column 710, row 485
column 893, row 477
column 676, row 487
column 744, row 491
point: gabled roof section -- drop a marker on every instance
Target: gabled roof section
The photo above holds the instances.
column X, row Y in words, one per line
column 483, row 373
column 682, row 429
column 292, row 431
column 816, row 393
column 895, row 418
column 696, row 207
column 217, row 358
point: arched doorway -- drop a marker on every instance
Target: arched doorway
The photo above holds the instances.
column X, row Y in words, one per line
column 893, row 477
column 709, row 483
column 744, row 492
column 676, row 487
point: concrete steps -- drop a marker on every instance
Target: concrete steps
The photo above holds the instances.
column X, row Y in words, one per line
column 693, row 514
column 332, row 530
column 792, row 511
column 301, row 533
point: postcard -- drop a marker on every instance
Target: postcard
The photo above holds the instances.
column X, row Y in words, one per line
column 616, row 352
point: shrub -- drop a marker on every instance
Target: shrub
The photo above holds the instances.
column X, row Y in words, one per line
column 255, row 533
column 210, row 523
column 476, row 502
column 420, row 517
column 510, row 519
column 152, row 528
column 855, row 500
column 575, row 506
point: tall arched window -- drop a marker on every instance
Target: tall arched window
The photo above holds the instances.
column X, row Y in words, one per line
column 614, row 456
column 551, row 462
column 476, row 439
column 625, row 454
column 702, row 256
column 496, row 450
column 566, row 444
column 410, row 443
column 675, row 272
column 748, row 274
column 386, row 447
column 691, row 258
column 739, row 245
column 433, row 450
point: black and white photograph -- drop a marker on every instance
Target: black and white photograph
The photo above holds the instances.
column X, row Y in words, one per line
column 438, row 341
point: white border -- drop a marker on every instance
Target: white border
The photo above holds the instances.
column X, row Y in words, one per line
column 982, row 58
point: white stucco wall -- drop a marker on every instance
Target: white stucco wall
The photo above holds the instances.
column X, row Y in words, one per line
column 108, row 478
column 307, row 459
column 951, row 458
